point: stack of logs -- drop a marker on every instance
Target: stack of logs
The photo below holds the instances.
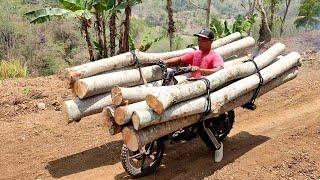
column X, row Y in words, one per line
column 144, row 112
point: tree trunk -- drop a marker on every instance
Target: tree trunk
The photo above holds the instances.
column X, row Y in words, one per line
column 135, row 94
column 84, row 30
column 163, row 100
column 137, row 139
column 225, row 51
column 103, row 52
column 109, row 124
column 208, row 13
column 124, row 32
column 112, row 29
column 272, row 10
column 236, row 61
column 144, row 118
column 126, row 59
column 122, row 114
column 76, row 109
column 98, row 84
column 105, row 47
column 171, row 28
column 284, row 16
column 252, row 7
column 264, row 32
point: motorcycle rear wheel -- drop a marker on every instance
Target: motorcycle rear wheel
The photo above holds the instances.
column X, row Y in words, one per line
column 144, row 161
column 220, row 126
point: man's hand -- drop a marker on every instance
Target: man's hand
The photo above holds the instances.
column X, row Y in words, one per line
column 194, row 68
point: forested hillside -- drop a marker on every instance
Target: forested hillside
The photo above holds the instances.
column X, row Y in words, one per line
column 47, row 48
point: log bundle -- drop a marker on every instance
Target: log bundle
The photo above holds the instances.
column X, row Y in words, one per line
column 92, row 82
column 144, row 112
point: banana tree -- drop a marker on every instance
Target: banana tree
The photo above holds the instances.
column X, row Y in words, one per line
column 84, row 11
column 309, row 14
column 242, row 24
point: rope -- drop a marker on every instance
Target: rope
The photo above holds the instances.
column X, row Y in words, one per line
column 164, row 71
column 137, row 64
column 250, row 105
column 208, row 99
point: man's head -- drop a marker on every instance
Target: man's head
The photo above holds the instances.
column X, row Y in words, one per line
column 205, row 38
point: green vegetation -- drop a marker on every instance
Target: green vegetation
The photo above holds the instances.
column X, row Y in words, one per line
column 241, row 24
column 12, row 69
column 309, row 14
column 47, row 47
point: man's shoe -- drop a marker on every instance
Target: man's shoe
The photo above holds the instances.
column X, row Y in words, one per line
column 218, row 154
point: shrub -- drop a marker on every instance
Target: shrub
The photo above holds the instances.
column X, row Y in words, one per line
column 12, row 69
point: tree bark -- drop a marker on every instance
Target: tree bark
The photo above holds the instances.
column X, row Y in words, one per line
column 84, row 30
column 103, row 52
column 144, row 118
column 272, row 10
column 124, row 32
column 109, row 124
column 112, row 29
column 122, row 114
column 208, row 13
column 264, row 32
column 98, row 84
column 161, row 101
column 135, row 94
column 126, row 59
column 236, row 61
column 76, row 109
column 137, row 139
column 171, row 28
column 284, row 16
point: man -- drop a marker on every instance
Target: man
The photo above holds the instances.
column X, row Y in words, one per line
column 204, row 61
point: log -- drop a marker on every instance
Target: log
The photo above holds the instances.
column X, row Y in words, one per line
column 236, row 61
column 103, row 83
column 144, row 118
column 138, row 93
column 163, row 100
column 136, row 139
column 126, row 59
column 224, row 51
column 122, row 114
column 109, row 124
column 99, row 84
column 77, row 108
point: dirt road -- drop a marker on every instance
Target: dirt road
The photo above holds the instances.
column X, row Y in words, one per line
column 279, row 140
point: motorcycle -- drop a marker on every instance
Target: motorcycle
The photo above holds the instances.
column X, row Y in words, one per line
column 212, row 132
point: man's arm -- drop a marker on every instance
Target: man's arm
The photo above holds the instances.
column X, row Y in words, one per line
column 175, row 61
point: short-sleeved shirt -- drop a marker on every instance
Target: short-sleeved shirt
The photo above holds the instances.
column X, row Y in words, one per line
column 203, row 60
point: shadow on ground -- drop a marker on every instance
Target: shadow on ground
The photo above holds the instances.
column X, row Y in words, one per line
column 107, row 154
column 193, row 160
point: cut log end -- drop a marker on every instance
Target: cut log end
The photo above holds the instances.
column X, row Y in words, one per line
column 68, row 115
column 116, row 96
column 72, row 77
column 155, row 104
column 119, row 115
column 135, row 121
column 130, row 138
column 80, row 89
column 109, row 124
